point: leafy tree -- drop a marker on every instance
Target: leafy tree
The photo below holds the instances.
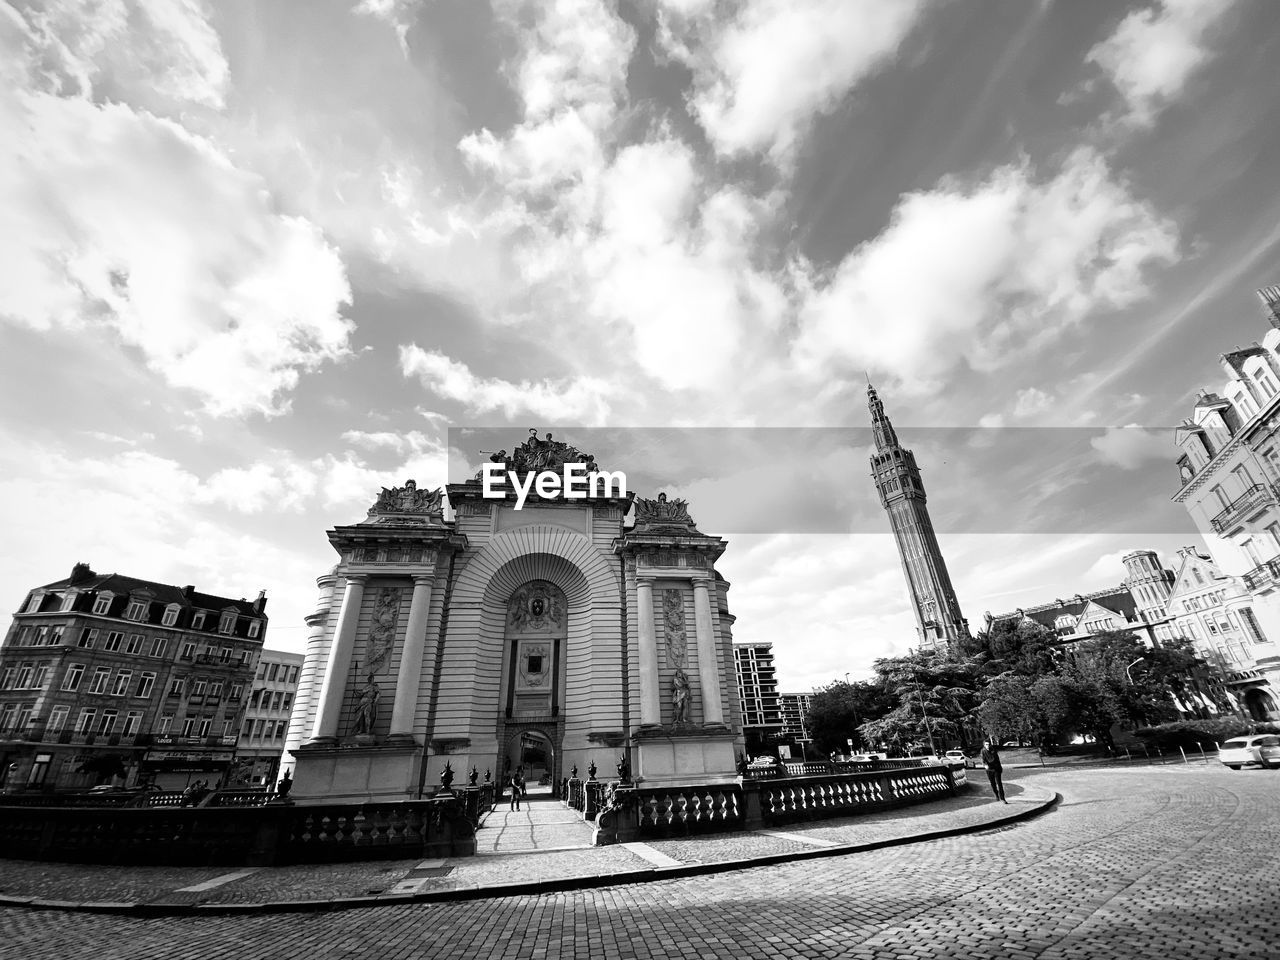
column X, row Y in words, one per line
column 1010, row 711
column 1019, row 646
column 936, row 696
column 839, row 709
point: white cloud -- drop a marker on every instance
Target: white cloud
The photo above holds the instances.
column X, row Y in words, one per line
column 1154, row 52
column 761, row 77
column 984, row 273
column 581, row 399
column 401, row 443
column 401, row 15
column 1129, row 447
column 1032, row 402
column 122, row 220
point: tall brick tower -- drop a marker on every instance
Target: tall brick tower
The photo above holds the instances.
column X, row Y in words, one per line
column 939, row 622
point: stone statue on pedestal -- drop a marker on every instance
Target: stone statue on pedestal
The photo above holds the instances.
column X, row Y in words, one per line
column 680, row 698
column 473, row 776
column 624, row 769
column 367, row 709
column 591, row 770
column 446, row 778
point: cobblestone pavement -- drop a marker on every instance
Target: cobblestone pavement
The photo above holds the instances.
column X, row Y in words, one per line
column 1169, row 864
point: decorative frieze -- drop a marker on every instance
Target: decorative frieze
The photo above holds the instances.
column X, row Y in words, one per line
column 677, row 640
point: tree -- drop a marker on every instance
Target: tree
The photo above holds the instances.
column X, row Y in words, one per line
column 1010, row 711
column 837, row 710
column 1019, row 646
column 936, row 700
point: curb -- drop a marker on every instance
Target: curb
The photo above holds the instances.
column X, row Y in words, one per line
column 521, row 888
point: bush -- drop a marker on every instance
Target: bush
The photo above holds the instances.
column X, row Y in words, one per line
column 1194, row 734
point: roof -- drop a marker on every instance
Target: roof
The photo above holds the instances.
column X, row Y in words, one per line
column 1116, row 599
column 1236, row 358
column 165, row 593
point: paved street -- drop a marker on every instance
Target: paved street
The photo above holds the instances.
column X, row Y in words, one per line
column 1148, row 862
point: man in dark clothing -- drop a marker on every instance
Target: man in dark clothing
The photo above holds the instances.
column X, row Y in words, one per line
column 995, row 772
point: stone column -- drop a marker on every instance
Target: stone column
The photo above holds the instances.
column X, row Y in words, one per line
column 339, row 666
column 415, row 638
column 650, row 695
column 708, row 668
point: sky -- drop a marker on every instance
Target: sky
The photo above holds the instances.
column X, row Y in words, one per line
column 258, row 260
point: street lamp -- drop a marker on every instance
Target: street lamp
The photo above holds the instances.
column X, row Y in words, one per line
column 1129, row 675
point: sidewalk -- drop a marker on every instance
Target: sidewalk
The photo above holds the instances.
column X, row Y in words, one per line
column 541, row 848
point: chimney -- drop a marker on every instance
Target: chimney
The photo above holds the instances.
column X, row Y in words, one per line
column 187, row 591
column 81, row 572
column 260, row 604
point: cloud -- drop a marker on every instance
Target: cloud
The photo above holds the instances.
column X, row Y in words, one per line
column 580, row 399
column 401, row 443
column 1129, row 447
column 760, row 77
column 1154, row 52
column 994, row 270
column 401, row 15
column 124, row 221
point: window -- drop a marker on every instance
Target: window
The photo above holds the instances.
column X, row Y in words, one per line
column 1223, row 500
column 188, row 650
column 99, row 682
column 197, row 622
column 224, row 655
column 288, row 702
column 157, row 647
column 7, row 715
column 108, row 721
column 102, row 604
column 137, row 610
column 226, row 727
column 41, row 632
column 206, row 724
column 24, row 717
column 257, row 729
column 1263, row 379
column 237, row 691
column 71, row 680
column 57, row 719
column 55, row 638
column 1251, row 626
column 170, row 615
column 20, row 638
column 189, row 724
column 176, row 686
column 166, row 721
column 215, row 688
column 280, row 730
column 227, row 624
column 247, row 730
column 293, row 675
column 88, row 637
column 115, row 640
column 254, row 626
column 25, row 672
column 68, row 602
column 273, row 672
column 198, row 688
column 41, row 679
column 1243, row 480
column 131, row 724
column 121, row 686
column 136, row 641
column 146, row 683
column 276, row 701
column 33, row 604
column 84, row 722
column 1251, row 549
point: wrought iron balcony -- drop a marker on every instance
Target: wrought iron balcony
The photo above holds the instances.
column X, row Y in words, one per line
column 1251, row 501
column 1265, row 574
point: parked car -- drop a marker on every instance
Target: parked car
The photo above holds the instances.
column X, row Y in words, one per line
column 957, row 758
column 1257, row 751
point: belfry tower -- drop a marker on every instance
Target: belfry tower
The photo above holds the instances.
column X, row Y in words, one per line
column 939, row 622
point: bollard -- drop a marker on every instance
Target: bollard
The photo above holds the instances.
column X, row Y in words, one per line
column 1127, row 755
column 1203, row 756
column 1184, row 755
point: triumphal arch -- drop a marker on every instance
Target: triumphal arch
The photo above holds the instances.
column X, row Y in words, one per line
column 532, row 628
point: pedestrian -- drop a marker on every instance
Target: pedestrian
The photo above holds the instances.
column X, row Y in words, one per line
column 995, row 771
column 516, row 789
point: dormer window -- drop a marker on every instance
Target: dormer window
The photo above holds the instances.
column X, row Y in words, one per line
column 102, row 604
column 34, row 603
column 170, row 615
column 197, row 623
column 68, row 602
column 254, row 627
column 137, row 610
column 1265, row 383
column 227, row 623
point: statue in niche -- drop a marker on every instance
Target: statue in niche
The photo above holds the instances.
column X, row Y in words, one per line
column 680, row 697
column 677, row 642
column 382, row 631
column 367, row 708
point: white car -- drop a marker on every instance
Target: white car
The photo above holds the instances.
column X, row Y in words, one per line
column 1260, row 750
column 957, row 758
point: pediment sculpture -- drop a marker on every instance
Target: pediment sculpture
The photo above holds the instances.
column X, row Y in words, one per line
column 537, row 454
column 663, row 512
column 408, row 499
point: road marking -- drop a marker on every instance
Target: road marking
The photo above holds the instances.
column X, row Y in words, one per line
column 797, row 837
column 216, row 881
column 656, row 857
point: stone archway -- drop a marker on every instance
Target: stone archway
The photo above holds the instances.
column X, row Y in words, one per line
column 532, row 749
column 1259, row 704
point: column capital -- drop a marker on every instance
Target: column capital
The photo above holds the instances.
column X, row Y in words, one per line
column 360, row 578
column 704, row 581
column 645, row 580
column 420, row 579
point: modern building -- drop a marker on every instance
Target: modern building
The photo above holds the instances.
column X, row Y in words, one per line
column 794, row 708
column 939, row 623
column 1229, row 468
column 266, row 718
column 758, row 695
column 1136, row 604
column 546, row 633
column 108, row 677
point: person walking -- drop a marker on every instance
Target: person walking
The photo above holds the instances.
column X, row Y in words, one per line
column 995, row 770
column 517, row 789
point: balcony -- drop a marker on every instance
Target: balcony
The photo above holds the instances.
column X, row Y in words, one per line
column 1254, row 499
column 1264, row 575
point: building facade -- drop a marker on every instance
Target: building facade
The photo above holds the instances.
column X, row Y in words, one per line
column 795, row 721
column 1229, row 468
column 758, row 695
column 105, row 677
column 547, row 634
column 1136, row 605
column 939, row 622
column 266, row 718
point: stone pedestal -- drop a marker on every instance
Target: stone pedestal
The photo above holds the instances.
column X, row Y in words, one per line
column 684, row 756
column 355, row 772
